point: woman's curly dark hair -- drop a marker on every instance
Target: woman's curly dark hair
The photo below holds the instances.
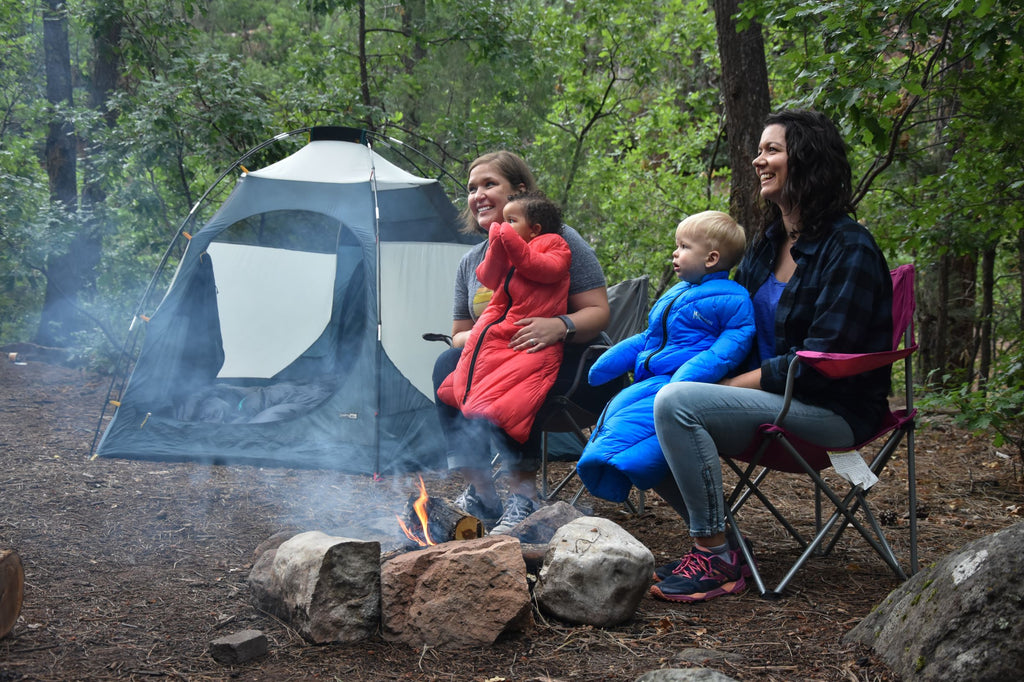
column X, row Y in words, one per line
column 819, row 180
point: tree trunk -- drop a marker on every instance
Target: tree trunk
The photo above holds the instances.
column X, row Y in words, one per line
column 946, row 319
column 414, row 13
column 949, row 303
column 60, row 138
column 985, row 340
column 745, row 91
column 71, row 270
column 364, row 69
column 1020, row 278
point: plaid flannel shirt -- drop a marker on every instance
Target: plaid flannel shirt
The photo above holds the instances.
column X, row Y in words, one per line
column 838, row 300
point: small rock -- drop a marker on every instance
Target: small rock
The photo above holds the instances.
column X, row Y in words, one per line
column 327, row 587
column 240, row 647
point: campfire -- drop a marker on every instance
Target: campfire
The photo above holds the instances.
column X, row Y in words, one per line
column 431, row 520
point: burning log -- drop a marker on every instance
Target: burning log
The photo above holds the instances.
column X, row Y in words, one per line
column 433, row 520
column 12, row 589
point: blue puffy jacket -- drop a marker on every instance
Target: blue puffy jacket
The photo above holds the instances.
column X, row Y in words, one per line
column 695, row 332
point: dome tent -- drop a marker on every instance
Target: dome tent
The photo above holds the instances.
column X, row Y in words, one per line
column 291, row 332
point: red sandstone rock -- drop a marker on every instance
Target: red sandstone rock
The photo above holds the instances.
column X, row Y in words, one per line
column 456, row 595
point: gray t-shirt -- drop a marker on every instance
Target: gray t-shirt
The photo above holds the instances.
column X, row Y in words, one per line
column 471, row 297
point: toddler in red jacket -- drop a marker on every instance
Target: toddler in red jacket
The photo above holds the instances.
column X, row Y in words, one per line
column 527, row 266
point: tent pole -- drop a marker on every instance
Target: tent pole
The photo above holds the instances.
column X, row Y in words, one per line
column 379, row 311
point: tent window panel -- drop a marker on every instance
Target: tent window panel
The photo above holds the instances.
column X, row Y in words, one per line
column 273, row 304
column 416, row 284
column 291, row 229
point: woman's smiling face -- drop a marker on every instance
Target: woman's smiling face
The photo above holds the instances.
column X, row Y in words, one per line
column 488, row 194
column 772, row 164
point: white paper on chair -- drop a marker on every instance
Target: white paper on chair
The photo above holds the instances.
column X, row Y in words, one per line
column 852, row 467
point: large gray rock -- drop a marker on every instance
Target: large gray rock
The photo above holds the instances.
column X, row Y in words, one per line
column 962, row 618
column 594, row 573
column 327, row 587
column 456, row 595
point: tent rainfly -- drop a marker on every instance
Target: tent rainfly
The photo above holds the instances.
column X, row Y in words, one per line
column 291, row 333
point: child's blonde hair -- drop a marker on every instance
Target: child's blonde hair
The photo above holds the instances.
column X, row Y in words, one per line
column 722, row 233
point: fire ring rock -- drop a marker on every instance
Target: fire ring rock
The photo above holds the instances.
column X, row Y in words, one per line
column 327, row 587
column 594, row 573
column 456, row 595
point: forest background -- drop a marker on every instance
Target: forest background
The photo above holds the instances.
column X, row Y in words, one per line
column 117, row 115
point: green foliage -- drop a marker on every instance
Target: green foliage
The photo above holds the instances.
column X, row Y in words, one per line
column 615, row 104
column 997, row 408
column 22, row 180
column 629, row 143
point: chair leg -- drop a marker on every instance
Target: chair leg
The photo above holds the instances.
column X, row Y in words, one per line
column 912, row 499
column 845, row 509
column 546, row 495
column 880, row 461
column 747, row 487
column 496, row 466
column 748, row 557
column 544, row 466
column 561, row 484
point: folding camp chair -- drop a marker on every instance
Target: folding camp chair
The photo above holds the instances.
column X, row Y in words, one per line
column 775, row 449
column 573, row 410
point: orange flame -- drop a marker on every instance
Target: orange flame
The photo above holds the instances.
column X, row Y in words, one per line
column 420, row 505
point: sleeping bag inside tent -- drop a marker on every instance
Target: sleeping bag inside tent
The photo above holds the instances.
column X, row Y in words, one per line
column 291, row 333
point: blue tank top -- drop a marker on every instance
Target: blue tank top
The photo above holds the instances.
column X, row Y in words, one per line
column 766, row 301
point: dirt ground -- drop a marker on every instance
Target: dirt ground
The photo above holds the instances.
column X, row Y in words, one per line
column 133, row 568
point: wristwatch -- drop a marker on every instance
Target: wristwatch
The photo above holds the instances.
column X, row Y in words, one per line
column 570, row 328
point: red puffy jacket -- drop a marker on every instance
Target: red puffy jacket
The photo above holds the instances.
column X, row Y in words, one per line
column 492, row 381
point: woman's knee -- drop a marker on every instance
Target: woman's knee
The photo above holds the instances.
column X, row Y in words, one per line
column 675, row 401
column 445, row 365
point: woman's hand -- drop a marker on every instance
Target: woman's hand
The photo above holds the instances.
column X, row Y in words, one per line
column 460, row 332
column 536, row 333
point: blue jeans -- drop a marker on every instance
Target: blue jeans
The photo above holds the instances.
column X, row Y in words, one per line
column 695, row 422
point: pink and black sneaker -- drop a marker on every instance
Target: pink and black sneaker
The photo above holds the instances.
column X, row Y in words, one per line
column 700, row 576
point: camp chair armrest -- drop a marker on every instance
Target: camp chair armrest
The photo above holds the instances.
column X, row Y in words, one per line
column 590, row 353
column 841, row 365
column 788, row 395
column 437, row 337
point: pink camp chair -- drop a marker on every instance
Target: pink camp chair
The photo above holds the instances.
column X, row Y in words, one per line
column 774, row 449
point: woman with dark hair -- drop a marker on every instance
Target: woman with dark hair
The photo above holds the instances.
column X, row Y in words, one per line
column 471, row 443
column 818, row 282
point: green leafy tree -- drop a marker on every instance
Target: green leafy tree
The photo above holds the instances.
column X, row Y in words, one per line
column 922, row 91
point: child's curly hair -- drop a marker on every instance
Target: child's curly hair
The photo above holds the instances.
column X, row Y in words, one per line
column 539, row 210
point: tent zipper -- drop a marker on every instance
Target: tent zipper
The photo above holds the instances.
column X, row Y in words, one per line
column 483, row 333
